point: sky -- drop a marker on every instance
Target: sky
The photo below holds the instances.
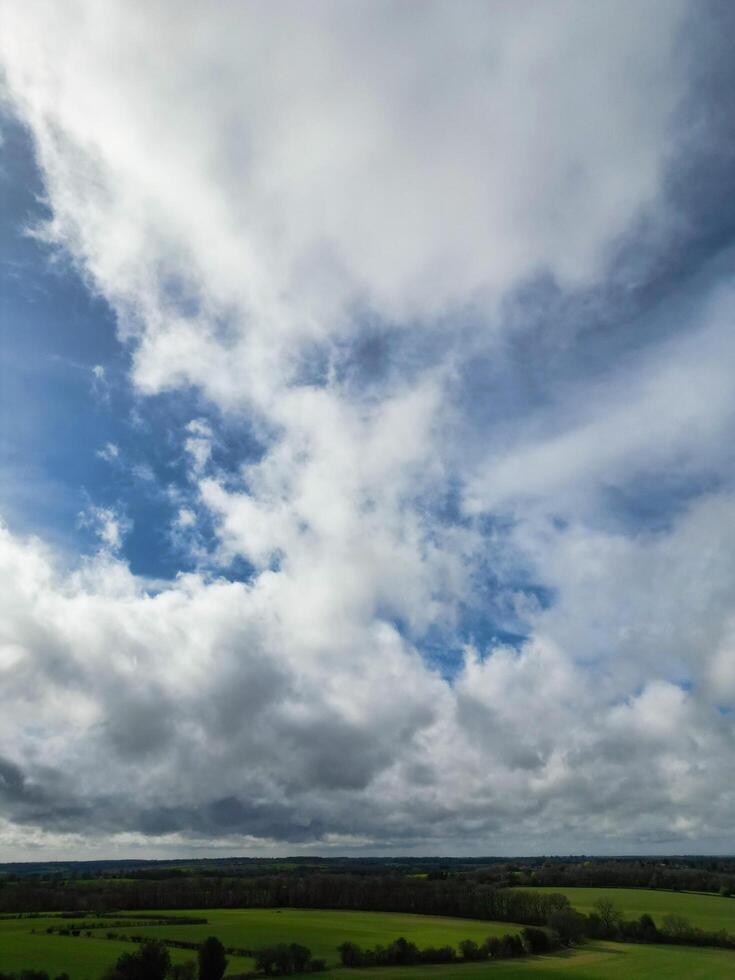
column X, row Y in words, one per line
column 367, row 427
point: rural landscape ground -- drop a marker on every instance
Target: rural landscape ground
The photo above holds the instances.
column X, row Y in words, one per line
column 367, row 489
column 86, row 942
column 23, row 944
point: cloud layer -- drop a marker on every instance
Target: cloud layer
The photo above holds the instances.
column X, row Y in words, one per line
column 485, row 592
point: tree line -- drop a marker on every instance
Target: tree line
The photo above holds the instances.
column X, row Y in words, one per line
column 152, row 961
column 456, row 896
column 606, row 921
column 531, row 940
column 711, row 875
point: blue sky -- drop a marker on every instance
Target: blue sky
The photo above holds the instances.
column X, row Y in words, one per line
column 67, row 400
column 366, row 429
column 64, row 391
column 81, row 440
column 53, row 335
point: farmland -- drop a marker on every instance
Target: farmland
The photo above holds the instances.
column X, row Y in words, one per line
column 100, row 934
column 86, row 957
column 82, row 957
column 598, row 961
column 323, row 930
column 710, row 912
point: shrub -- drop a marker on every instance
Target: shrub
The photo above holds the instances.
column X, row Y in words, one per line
column 351, row 954
column 444, row 954
column 183, row 971
column 511, row 946
column 676, row 926
column 403, row 953
column 283, row 960
column 536, row 940
column 470, row 951
column 647, row 930
column 569, row 925
column 150, row 962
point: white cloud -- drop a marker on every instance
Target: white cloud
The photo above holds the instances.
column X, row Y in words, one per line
column 254, row 198
column 198, row 444
column 185, row 517
column 121, row 684
column 282, row 179
column 670, row 411
column 100, row 384
column 143, row 472
column 110, row 452
column 108, row 524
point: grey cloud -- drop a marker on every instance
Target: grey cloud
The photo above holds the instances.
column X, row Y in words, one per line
column 139, row 725
column 247, row 687
column 331, row 754
column 15, row 787
column 445, row 302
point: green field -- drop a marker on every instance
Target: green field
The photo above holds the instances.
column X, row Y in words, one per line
column 85, row 958
column 97, row 884
column 596, row 961
column 81, row 957
column 322, row 930
column 710, row 912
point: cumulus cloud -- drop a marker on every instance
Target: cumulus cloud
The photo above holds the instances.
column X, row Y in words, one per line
column 336, row 226
column 315, row 163
column 281, row 738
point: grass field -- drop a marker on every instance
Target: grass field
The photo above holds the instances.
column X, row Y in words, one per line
column 97, row 884
column 322, row 930
column 706, row 911
column 81, row 957
column 85, row 958
column 598, row 961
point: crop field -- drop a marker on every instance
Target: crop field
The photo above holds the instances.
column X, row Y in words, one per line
column 710, row 912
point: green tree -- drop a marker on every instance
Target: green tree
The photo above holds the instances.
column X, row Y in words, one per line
column 279, row 960
column 536, row 940
column 183, row 971
column 301, row 956
column 470, row 950
column 351, row 954
column 647, row 928
column 610, row 916
column 403, row 953
column 569, row 925
column 212, row 959
column 150, row 962
column 511, row 945
column 676, row 926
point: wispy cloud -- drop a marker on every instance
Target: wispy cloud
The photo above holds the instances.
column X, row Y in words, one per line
column 108, row 524
column 110, row 452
